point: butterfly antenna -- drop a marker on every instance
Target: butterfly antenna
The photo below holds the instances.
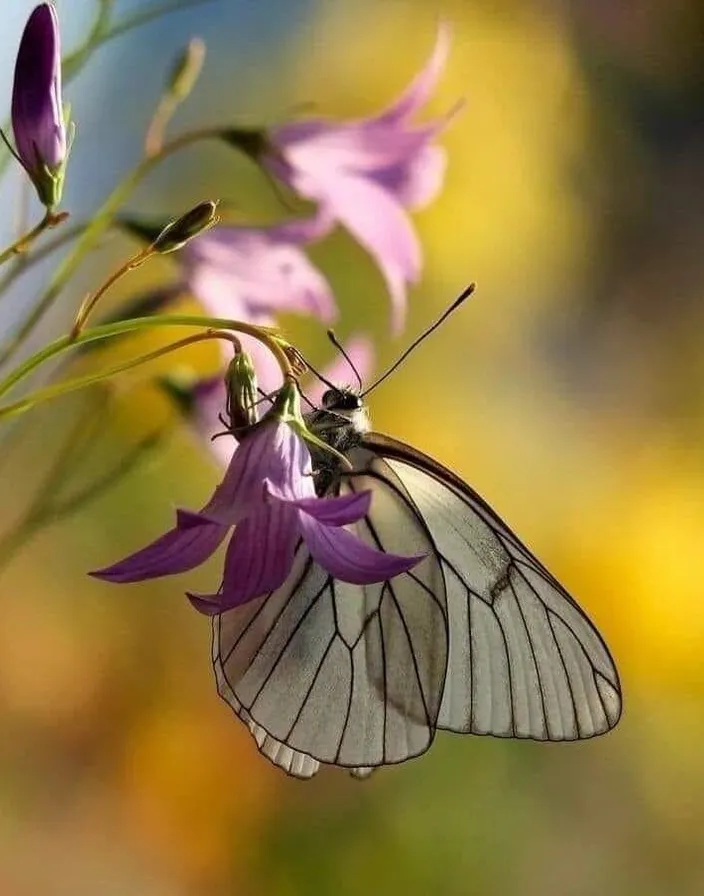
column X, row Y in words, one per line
column 317, row 373
column 423, row 336
column 338, row 345
column 307, row 400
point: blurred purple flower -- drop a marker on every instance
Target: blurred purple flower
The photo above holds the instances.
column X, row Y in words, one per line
column 251, row 273
column 268, row 495
column 365, row 173
column 260, row 270
column 37, row 114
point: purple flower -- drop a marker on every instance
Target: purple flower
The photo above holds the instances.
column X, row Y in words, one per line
column 268, row 495
column 365, row 173
column 251, row 273
column 37, row 115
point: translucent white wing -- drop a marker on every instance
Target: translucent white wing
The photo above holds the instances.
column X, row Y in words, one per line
column 298, row 765
column 524, row 660
column 326, row 672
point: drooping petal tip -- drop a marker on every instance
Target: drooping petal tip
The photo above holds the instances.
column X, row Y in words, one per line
column 422, row 86
column 347, row 557
column 189, row 544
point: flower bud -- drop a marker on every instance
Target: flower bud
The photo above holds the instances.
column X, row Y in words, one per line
column 241, row 385
column 37, row 115
column 176, row 234
column 186, row 70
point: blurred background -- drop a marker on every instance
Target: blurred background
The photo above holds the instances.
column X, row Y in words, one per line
column 569, row 391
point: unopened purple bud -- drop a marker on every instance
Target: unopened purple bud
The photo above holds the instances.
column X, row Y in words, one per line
column 37, row 114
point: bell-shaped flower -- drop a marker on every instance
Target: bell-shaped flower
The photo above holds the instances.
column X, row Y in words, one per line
column 366, row 173
column 268, row 495
column 37, row 114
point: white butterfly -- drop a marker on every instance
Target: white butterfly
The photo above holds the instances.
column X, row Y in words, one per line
column 478, row 638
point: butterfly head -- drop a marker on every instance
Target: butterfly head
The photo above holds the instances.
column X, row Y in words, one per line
column 349, row 406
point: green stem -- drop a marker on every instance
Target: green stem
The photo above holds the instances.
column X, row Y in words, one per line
column 91, row 379
column 92, row 300
column 23, row 242
column 95, row 229
column 24, row 262
column 105, row 331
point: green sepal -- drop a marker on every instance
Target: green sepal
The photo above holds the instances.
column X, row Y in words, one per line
column 287, row 409
column 172, row 235
column 49, row 182
column 242, row 393
column 191, row 224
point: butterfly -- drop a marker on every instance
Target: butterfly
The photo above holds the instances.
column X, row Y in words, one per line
column 478, row 638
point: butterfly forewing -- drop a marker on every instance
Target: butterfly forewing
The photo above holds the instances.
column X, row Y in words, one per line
column 524, row 660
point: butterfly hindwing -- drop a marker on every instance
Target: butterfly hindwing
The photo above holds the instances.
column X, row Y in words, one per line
column 324, row 671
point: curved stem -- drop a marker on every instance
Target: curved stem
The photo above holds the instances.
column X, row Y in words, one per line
column 265, row 335
column 164, row 112
column 92, row 299
column 91, row 379
column 97, row 226
column 23, row 243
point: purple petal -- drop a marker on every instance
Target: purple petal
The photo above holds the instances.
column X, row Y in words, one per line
column 302, row 231
column 241, row 492
column 207, row 604
column 37, row 116
column 422, row 86
column 416, row 182
column 360, row 352
column 186, row 546
column 361, row 147
column 271, row 452
column 338, row 511
column 348, row 558
column 259, row 559
column 380, row 225
column 260, row 270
